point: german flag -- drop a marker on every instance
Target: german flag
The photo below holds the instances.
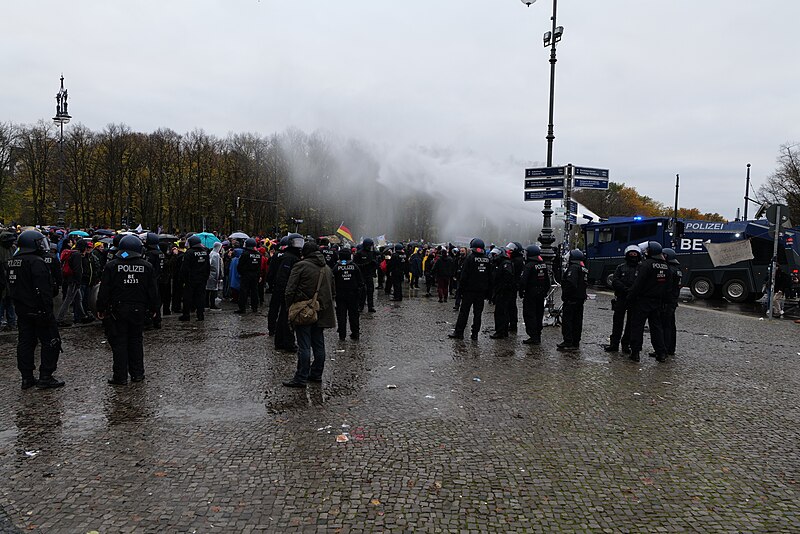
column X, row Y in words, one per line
column 345, row 232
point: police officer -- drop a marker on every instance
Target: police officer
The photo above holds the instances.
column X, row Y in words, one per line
column 517, row 256
column 349, row 287
column 504, row 287
column 194, row 274
column 367, row 263
column 128, row 293
column 248, row 267
column 398, row 270
column 474, row 286
column 573, row 293
column 277, row 298
column 284, row 335
column 533, row 288
column 328, row 252
column 621, row 281
column 30, row 286
column 674, row 293
column 157, row 260
column 647, row 296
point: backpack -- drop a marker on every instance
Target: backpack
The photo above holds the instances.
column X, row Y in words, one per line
column 66, row 268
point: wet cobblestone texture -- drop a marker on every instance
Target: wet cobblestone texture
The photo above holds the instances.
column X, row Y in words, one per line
column 486, row 436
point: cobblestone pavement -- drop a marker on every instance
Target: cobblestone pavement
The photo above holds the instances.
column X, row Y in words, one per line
column 486, row 436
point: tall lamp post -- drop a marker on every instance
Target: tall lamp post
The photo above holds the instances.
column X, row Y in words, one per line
column 550, row 40
column 62, row 117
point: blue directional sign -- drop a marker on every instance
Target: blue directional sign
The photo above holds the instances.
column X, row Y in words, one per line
column 544, row 194
column 591, row 173
column 589, row 183
column 572, row 219
column 544, row 172
column 535, row 183
column 573, row 206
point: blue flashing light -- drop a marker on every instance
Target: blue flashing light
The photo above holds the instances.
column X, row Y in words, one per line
column 637, row 218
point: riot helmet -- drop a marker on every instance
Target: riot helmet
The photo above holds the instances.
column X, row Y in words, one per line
column 115, row 242
column 151, row 240
column 30, row 241
column 533, row 251
column 130, row 247
column 670, row 256
column 633, row 254
column 576, row 256
column 284, row 242
column 345, row 254
column 368, row 243
column 193, row 241
column 295, row 240
column 477, row 244
column 654, row 248
column 250, row 243
column 398, row 247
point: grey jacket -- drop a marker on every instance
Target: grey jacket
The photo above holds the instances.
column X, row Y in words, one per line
column 302, row 283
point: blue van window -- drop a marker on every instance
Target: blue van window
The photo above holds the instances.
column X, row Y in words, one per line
column 641, row 231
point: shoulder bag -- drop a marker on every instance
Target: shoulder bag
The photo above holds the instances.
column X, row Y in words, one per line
column 304, row 312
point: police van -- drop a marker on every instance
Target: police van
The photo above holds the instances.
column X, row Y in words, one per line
column 742, row 281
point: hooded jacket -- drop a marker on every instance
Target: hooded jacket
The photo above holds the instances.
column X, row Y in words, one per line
column 234, row 274
column 302, row 283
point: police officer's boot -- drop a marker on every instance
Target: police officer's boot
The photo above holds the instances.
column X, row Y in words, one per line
column 634, row 357
column 611, row 348
column 47, row 382
column 456, row 335
column 626, row 349
column 28, row 382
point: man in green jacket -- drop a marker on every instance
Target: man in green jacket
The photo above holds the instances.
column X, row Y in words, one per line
column 303, row 281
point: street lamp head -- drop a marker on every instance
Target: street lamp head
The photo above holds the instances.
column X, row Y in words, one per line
column 558, row 33
column 547, row 38
column 528, row 2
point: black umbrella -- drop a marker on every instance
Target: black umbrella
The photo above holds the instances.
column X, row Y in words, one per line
column 167, row 237
column 103, row 231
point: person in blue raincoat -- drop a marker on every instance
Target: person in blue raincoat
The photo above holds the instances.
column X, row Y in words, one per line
column 234, row 275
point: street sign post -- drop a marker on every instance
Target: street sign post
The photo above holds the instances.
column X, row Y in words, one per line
column 572, row 205
column 592, row 172
column 544, row 194
column 544, row 172
column 540, row 183
column 589, row 183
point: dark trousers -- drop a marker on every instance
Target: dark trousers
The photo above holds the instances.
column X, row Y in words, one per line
column 310, row 338
column 262, row 287
column 669, row 327
column 650, row 311
column 415, row 281
column 368, row 294
column 211, row 298
column 194, row 297
column 177, row 295
column 502, row 303
column 474, row 301
column 165, row 290
column 397, row 286
column 572, row 323
column 127, row 346
column 248, row 289
column 533, row 315
column 347, row 306
column 441, row 288
column 512, row 312
column 381, row 278
column 30, row 332
column 429, row 282
column 275, row 302
column 621, row 309
column 284, row 335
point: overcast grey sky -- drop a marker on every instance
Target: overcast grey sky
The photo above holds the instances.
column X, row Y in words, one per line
column 647, row 89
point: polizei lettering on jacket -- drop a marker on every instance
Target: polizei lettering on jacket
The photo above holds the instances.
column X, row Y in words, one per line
column 482, row 264
column 125, row 268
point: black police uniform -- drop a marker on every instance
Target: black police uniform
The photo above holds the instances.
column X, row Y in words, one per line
column 195, row 268
column 513, row 313
column 474, row 285
column 248, row 267
column 648, row 295
column 330, row 255
column 276, row 299
column 157, row 259
column 165, row 280
column 668, row 313
column 621, row 281
column 284, row 335
column 349, row 286
column 398, row 270
column 30, row 285
column 177, row 282
column 128, row 293
column 368, row 265
column 573, row 293
column 533, row 288
column 505, row 295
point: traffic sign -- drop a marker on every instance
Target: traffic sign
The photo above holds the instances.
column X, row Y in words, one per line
column 589, row 183
column 544, row 172
column 573, row 206
column 591, row 172
column 572, row 219
column 544, row 182
column 544, row 194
